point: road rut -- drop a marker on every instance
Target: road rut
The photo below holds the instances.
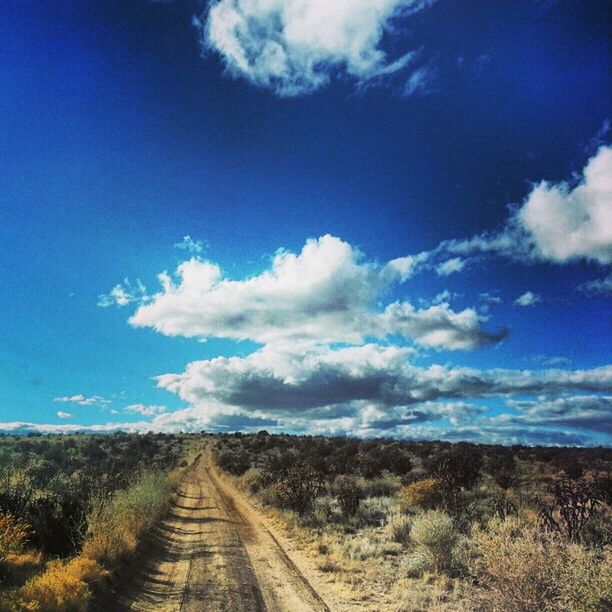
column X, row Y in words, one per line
column 213, row 552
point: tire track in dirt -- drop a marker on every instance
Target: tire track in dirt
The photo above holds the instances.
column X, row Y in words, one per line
column 212, row 553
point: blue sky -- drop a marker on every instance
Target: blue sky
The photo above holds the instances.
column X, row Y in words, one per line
column 398, row 213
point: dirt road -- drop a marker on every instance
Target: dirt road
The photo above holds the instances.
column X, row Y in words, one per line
column 213, row 552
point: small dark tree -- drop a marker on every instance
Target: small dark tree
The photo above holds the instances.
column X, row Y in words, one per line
column 234, row 462
column 298, row 488
column 570, row 463
column 502, row 468
column 574, row 502
column 349, row 493
column 455, row 470
column 371, row 464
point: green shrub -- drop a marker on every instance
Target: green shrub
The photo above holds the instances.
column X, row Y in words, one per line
column 434, row 534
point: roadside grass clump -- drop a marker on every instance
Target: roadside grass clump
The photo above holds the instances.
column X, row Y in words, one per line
column 62, row 586
column 14, row 533
column 16, row 563
column 251, row 480
column 116, row 525
column 434, row 535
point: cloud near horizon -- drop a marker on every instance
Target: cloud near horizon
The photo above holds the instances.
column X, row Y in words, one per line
column 284, row 382
column 82, row 400
column 295, row 47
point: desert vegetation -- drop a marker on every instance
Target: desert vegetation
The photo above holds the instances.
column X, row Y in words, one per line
column 74, row 507
column 433, row 525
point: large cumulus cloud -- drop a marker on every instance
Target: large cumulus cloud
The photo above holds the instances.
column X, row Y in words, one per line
column 295, row 46
column 326, row 293
column 557, row 222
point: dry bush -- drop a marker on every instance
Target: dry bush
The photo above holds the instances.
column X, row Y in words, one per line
column 514, row 566
column 372, row 512
column 17, row 568
column 363, row 547
column 398, row 527
column 251, row 480
column 422, row 494
column 586, row 582
column 434, row 536
column 520, row 569
column 502, row 506
column 14, row 533
column 62, row 587
column 438, row 593
column 456, row 471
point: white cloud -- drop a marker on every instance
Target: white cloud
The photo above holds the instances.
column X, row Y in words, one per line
column 190, row 245
column 554, row 361
column 437, row 326
column 63, row 415
column 490, row 299
column 80, row 399
column 528, row 299
column 556, row 222
column 327, row 293
column 271, row 383
column 567, row 223
column 295, row 46
column 421, row 82
column 123, row 294
column 450, row 266
column 598, row 287
column 24, row 427
column 144, row 410
column 581, row 411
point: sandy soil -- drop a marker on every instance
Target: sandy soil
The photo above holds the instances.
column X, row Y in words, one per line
column 214, row 551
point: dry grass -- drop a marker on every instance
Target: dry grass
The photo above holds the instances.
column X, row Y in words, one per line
column 116, row 525
column 63, row 586
column 520, row 569
column 398, row 527
column 421, row 495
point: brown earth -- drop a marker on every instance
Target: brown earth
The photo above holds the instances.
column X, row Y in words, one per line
column 214, row 552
